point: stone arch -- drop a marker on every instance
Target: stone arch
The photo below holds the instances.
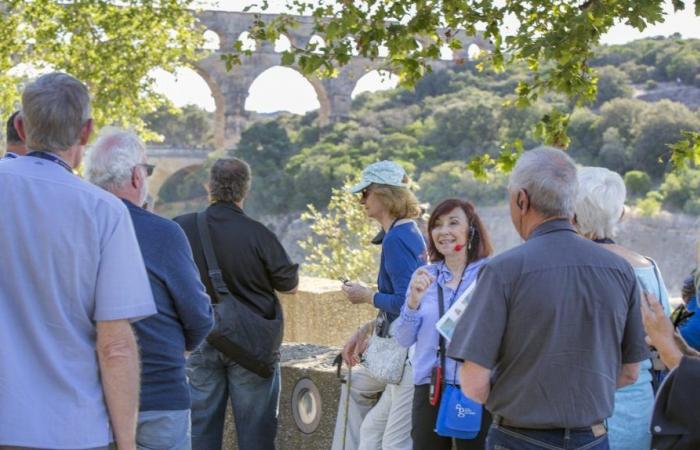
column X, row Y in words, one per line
column 188, row 177
column 318, row 40
column 212, row 40
column 373, row 81
column 283, row 43
column 473, row 51
column 247, row 42
column 316, row 84
column 219, row 103
column 446, row 53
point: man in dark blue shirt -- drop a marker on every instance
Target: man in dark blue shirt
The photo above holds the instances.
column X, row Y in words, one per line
column 117, row 163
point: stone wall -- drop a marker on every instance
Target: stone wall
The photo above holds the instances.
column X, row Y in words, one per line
column 320, row 314
column 670, row 239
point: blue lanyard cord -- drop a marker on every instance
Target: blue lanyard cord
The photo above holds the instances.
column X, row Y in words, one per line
column 441, row 307
column 51, row 157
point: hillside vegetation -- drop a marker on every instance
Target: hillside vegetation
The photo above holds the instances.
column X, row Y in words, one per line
column 455, row 115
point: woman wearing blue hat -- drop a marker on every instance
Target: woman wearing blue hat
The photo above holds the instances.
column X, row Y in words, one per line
column 364, row 423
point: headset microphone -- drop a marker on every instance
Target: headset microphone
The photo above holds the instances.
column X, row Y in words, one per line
column 458, row 247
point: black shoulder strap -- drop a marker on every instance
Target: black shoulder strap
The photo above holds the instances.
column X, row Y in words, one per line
column 441, row 309
column 215, row 276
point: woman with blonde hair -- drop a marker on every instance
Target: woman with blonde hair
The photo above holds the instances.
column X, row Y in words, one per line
column 363, row 422
column 599, row 207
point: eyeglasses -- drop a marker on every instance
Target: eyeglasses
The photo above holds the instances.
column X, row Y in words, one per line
column 365, row 193
column 149, row 168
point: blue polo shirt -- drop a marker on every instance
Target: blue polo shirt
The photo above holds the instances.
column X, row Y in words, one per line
column 70, row 259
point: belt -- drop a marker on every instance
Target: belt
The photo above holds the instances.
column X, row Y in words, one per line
column 598, row 429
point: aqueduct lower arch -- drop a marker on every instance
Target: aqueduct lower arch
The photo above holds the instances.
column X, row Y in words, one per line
column 230, row 88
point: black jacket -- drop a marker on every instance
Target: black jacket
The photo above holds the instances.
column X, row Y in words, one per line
column 253, row 261
column 675, row 424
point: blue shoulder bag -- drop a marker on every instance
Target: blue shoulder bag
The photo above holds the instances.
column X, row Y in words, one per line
column 459, row 416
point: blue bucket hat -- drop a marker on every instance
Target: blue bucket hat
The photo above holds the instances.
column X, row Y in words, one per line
column 382, row 172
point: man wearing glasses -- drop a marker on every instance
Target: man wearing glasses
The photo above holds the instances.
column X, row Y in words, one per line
column 117, row 163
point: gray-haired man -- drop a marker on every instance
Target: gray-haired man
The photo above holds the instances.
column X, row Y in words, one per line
column 117, row 163
column 72, row 281
column 554, row 326
column 254, row 265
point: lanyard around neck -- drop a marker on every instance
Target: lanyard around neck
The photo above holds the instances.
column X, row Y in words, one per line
column 51, row 157
column 441, row 309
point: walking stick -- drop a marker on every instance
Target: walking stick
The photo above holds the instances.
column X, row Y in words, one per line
column 347, row 405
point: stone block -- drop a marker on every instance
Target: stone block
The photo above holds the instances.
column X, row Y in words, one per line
column 319, row 313
column 309, row 369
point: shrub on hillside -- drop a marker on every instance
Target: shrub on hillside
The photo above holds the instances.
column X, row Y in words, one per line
column 637, row 182
column 340, row 242
column 650, row 205
column 452, row 179
column 680, row 190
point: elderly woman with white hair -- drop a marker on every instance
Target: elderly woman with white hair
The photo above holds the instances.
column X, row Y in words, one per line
column 599, row 207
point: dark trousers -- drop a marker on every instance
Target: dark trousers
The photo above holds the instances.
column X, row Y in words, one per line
column 502, row 437
column 255, row 401
column 423, row 426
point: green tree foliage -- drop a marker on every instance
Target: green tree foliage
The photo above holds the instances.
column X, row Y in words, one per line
column 267, row 148
column 612, row 83
column 650, row 205
column 450, row 179
column 111, row 46
column 554, row 39
column 681, row 190
column 660, row 126
column 188, row 127
column 614, row 153
column 340, row 244
column 637, row 183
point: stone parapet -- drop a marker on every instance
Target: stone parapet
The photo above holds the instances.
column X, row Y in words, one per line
column 308, row 399
column 319, row 313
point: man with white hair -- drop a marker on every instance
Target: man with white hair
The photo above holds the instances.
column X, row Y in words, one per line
column 117, row 163
column 554, row 326
column 72, row 281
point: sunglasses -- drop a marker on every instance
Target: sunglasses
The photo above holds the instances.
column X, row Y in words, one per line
column 149, row 168
column 365, row 193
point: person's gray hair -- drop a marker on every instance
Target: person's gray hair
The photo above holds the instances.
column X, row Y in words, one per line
column 55, row 107
column 229, row 180
column 111, row 159
column 549, row 177
column 600, row 202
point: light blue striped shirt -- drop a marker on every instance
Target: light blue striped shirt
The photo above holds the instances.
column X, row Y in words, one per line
column 70, row 258
column 417, row 326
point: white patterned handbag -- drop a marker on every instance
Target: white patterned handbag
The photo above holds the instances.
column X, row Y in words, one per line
column 385, row 358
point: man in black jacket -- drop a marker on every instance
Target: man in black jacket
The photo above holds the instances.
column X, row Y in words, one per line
column 254, row 265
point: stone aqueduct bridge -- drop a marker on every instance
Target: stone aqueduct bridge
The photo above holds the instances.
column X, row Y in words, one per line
column 169, row 161
column 230, row 88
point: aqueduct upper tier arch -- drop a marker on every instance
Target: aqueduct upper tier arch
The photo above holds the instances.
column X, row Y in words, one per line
column 230, row 88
